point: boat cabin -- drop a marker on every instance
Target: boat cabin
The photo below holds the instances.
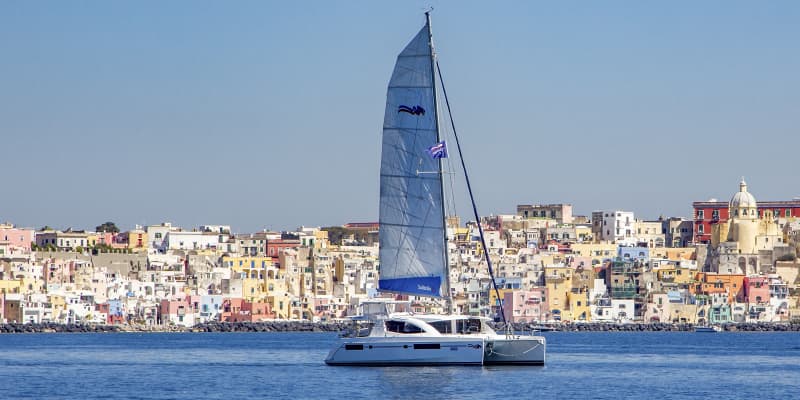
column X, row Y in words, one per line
column 451, row 325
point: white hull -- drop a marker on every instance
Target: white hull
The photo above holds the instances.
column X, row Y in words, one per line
column 420, row 350
column 515, row 350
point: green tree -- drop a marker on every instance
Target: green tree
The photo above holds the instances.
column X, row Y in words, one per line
column 107, row 227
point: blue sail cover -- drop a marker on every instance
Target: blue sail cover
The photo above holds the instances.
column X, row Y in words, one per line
column 412, row 241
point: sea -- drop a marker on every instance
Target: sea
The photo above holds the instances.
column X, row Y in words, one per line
column 590, row 365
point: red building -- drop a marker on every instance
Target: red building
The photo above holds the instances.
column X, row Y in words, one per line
column 708, row 213
column 277, row 246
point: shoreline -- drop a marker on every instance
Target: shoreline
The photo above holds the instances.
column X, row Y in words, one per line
column 340, row 327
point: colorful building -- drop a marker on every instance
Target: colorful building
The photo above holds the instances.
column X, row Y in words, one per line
column 526, row 305
column 712, row 212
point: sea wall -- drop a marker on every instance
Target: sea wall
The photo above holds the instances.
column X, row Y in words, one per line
column 269, row 326
column 343, row 327
column 655, row 327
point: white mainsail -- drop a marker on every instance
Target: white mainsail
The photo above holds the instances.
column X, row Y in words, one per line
column 412, row 232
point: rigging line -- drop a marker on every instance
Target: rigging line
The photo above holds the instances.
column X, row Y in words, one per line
column 451, row 203
column 472, row 198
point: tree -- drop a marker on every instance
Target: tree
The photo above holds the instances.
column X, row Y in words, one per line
column 107, row 227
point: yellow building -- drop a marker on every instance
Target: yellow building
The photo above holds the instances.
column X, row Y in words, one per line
column 583, row 232
column 253, row 290
column 31, row 285
column 283, row 306
column 558, row 280
column 10, row 285
column 249, row 267
column 579, row 310
column 135, row 239
column 493, row 296
column 671, row 273
column 674, row 253
column 59, row 304
column 598, row 252
column 321, row 239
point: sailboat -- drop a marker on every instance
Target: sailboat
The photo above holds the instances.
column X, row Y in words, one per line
column 413, row 238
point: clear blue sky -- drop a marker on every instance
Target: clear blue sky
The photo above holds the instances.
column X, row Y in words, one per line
column 268, row 114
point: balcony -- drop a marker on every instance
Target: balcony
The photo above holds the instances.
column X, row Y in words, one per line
column 623, row 292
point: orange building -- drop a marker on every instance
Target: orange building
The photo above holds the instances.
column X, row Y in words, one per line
column 709, row 283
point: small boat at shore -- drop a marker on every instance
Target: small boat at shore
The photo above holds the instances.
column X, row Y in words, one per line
column 708, row 329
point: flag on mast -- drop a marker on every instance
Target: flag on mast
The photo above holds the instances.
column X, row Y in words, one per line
column 439, row 150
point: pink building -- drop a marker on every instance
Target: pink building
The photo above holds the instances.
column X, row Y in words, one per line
column 108, row 239
column 756, row 289
column 177, row 312
column 18, row 239
column 526, row 305
column 325, row 308
column 239, row 310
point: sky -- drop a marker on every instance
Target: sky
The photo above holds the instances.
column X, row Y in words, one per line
column 268, row 115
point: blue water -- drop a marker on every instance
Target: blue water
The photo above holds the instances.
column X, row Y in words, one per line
column 290, row 365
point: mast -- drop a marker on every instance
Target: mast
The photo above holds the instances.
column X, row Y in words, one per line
column 445, row 261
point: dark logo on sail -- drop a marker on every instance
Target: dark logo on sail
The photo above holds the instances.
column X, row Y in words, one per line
column 416, row 110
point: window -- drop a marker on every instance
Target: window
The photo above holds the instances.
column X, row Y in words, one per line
column 442, row 326
column 788, row 213
column 700, row 214
column 700, row 228
column 715, row 214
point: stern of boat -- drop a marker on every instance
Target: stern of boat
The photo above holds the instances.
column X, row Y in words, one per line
column 515, row 350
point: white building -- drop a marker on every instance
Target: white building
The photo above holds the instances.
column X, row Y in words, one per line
column 157, row 234
column 617, row 226
column 191, row 241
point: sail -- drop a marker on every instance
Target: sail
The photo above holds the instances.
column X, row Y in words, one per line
column 412, row 233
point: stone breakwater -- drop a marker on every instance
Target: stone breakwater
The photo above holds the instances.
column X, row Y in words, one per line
column 57, row 328
column 269, row 326
column 344, row 327
column 655, row 327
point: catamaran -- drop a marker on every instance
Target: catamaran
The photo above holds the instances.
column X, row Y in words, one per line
column 413, row 238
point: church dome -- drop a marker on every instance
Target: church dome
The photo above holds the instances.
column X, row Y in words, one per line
column 743, row 198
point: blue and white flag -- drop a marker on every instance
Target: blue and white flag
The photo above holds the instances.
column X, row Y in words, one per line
column 439, row 150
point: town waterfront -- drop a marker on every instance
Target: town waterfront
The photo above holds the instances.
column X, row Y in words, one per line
column 602, row 365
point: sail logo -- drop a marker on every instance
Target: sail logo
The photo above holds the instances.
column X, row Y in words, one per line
column 416, row 110
column 424, row 288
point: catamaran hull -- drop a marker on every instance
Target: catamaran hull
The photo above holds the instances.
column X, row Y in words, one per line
column 515, row 350
column 404, row 351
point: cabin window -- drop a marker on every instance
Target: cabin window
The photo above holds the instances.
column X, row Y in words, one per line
column 402, row 327
column 466, row 326
column 442, row 326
